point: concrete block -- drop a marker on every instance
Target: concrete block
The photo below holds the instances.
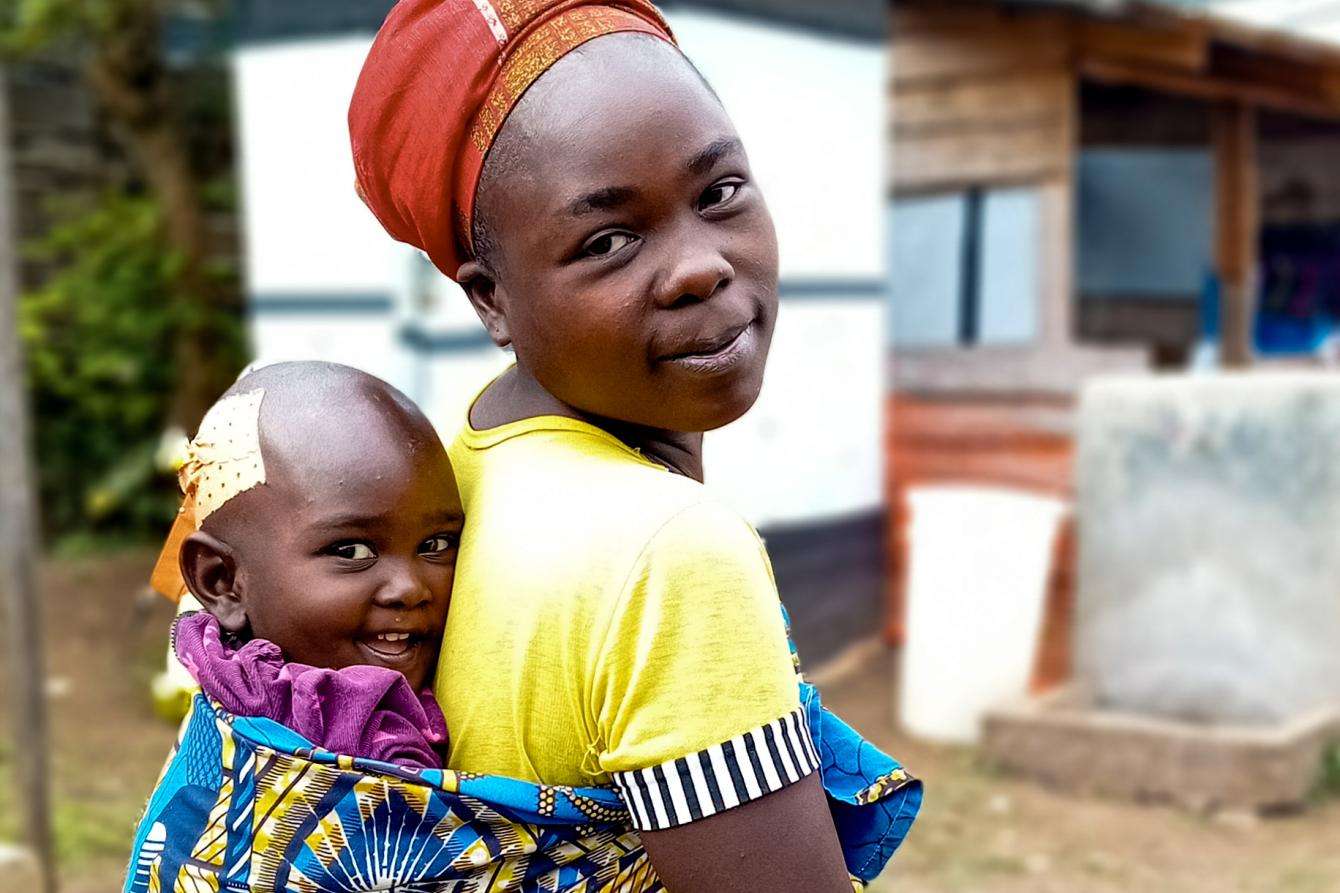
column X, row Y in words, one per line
column 1063, row 741
column 1209, row 573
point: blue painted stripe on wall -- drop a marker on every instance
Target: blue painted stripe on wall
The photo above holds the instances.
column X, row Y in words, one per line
column 444, row 342
column 331, row 304
column 320, row 303
column 833, row 289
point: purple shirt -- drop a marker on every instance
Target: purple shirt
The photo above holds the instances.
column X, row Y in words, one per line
column 360, row 711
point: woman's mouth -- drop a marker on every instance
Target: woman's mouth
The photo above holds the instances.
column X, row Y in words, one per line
column 716, row 355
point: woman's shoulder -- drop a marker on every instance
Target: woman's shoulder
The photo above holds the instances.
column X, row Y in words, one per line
column 705, row 524
column 668, row 515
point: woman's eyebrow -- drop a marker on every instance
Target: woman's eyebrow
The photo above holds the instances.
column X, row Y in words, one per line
column 712, row 153
column 609, row 198
column 606, row 199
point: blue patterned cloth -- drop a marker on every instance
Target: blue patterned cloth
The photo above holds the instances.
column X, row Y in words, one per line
column 245, row 804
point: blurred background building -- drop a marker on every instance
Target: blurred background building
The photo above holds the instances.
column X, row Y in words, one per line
column 1088, row 187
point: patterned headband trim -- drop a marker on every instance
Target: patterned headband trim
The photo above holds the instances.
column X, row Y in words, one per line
column 437, row 85
column 539, row 44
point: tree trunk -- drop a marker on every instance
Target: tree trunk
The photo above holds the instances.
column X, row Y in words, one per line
column 18, row 548
column 130, row 77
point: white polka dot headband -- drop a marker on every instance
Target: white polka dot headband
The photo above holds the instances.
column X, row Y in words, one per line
column 222, row 461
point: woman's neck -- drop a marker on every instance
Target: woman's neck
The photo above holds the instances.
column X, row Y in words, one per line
column 516, row 395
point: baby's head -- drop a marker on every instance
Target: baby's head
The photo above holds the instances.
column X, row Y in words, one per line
column 617, row 241
column 344, row 552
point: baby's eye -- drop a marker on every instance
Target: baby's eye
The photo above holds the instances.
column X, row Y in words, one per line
column 606, row 244
column 719, row 194
column 352, row 551
column 436, row 545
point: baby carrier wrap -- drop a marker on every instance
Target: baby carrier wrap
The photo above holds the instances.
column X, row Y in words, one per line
column 246, row 804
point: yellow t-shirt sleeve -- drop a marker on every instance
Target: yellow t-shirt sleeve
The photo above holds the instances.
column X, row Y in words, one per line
column 695, row 652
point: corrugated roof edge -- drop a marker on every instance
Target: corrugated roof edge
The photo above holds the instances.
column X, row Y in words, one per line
column 1223, row 28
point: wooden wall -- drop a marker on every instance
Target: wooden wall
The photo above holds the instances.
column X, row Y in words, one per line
column 987, row 94
column 59, row 146
column 979, row 96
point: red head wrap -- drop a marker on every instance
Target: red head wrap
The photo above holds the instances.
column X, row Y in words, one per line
column 437, row 85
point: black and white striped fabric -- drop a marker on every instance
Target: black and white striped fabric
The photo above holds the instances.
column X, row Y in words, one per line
column 746, row 767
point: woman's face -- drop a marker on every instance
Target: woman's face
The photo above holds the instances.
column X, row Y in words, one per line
column 637, row 268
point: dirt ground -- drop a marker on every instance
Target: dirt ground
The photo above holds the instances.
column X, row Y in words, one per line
column 978, row 831
column 104, row 643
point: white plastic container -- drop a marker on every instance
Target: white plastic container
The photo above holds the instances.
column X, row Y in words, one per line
column 979, row 564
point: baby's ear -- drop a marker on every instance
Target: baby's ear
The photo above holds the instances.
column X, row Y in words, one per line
column 209, row 567
column 481, row 287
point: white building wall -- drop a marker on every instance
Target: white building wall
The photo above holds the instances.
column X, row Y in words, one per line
column 305, row 228
column 325, row 280
column 810, row 109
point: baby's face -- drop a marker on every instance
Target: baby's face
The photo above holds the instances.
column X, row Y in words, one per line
column 638, row 261
column 352, row 551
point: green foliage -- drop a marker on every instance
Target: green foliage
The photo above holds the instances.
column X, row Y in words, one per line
column 1328, row 774
column 121, row 291
column 99, row 340
column 29, row 25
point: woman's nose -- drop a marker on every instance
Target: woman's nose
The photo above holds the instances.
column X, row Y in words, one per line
column 696, row 274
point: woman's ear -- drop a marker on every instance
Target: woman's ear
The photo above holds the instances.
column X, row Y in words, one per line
column 481, row 287
column 209, row 567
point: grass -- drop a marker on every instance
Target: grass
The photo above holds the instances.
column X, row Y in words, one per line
column 1328, row 776
column 89, row 825
column 1303, row 879
column 103, row 644
column 9, row 824
column 88, row 832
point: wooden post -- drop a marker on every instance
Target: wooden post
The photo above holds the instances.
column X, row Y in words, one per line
column 1237, row 228
column 1058, row 240
column 18, row 541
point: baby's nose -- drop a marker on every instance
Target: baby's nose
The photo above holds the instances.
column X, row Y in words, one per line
column 404, row 590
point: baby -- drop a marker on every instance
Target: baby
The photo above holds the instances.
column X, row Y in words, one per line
column 320, row 532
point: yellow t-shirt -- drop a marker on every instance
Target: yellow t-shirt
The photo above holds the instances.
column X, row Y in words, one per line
column 609, row 616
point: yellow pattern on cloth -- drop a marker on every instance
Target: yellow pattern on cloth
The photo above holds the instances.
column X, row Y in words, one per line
column 617, row 615
column 223, row 460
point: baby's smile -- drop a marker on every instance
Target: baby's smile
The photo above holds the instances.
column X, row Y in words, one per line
column 395, row 650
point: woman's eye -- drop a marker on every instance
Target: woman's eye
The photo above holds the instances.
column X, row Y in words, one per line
column 718, row 195
column 606, row 244
column 436, row 545
column 352, row 551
